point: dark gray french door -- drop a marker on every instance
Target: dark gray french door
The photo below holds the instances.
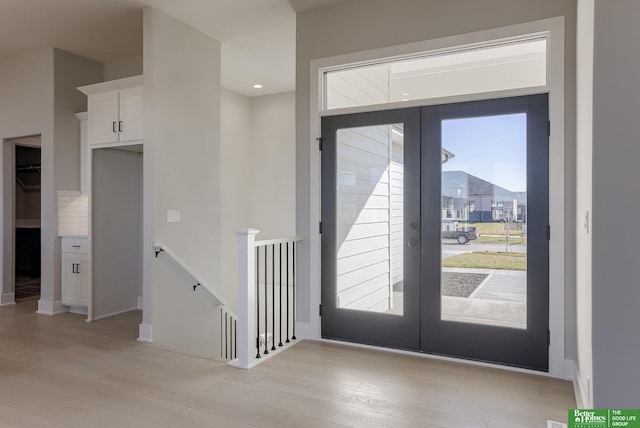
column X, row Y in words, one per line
column 435, row 229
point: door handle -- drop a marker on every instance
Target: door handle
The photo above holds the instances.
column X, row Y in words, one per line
column 413, row 225
column 120, row 126
column 412, row 242
column 113, row 127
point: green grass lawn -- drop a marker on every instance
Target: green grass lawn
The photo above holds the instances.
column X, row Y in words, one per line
column 517, row 239
column 488, row 260
column 493, row 228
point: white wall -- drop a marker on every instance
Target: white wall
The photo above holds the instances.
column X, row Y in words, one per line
column 26, row 102
column 182, row 172
column 257, row 173
column 273, row 165
column 235, row 189
column 584, row 188
column 357, row 26
column 120, row 69
column 616, row 150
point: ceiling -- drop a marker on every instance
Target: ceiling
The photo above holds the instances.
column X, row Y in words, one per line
column 258, row 36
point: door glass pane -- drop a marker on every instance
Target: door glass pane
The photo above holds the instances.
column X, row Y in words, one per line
column 369, row 218
column 484, row 220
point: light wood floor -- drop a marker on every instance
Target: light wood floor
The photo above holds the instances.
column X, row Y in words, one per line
column 62, row 372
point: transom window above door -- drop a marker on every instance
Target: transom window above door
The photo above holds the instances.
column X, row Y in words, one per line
column 492, row 67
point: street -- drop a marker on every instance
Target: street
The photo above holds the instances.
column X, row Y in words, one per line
column 452, row 248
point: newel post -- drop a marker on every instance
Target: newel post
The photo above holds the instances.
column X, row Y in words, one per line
column 246, row 296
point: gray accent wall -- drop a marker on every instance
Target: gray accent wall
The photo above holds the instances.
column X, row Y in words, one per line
column 616, row 197
column 182, row 172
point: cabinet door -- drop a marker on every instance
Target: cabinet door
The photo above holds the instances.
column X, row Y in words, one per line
column 103, row 118
column 131, row 114
column 84, row 281
column 71, row 281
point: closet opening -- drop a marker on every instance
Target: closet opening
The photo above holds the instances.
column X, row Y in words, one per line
column 26, row 217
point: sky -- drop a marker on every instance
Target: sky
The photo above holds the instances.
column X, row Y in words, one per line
column 493, row 148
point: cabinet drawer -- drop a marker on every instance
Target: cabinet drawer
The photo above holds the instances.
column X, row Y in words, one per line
column 75, row 245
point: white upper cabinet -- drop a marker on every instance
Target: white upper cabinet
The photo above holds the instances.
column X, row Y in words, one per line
column 103, row 118
column 115, row 111
column 131, row 119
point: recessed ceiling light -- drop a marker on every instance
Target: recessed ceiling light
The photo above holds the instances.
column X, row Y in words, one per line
column 257, row 86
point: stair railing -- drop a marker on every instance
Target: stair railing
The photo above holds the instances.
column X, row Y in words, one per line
column 266, row 297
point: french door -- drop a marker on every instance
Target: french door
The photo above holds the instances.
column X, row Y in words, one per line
column 435, row 227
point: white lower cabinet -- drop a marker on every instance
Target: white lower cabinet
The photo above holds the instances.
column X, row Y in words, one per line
column 75, row 272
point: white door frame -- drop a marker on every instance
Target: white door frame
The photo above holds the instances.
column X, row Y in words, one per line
column 554, row 30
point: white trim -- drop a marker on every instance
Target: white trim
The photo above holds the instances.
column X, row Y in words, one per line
column 112, row 85
column 113, row 314
column 581, row 392
column 7, row 299
column 47, row 307
column 145, row 333
column 139, row 303
column 255, row 361
column 275, row 241
column 552, row 28
column 533, row 90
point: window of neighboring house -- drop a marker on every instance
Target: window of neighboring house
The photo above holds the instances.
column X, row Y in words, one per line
column 463, row 71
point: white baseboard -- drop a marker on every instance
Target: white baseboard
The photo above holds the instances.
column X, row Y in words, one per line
column 78, row 310
column 582, row 399
column 254, row 362
column 140, row 303
column 144, row 333
column 7, row 299
column 112, row 314
column 47, row 307
column 305, row 330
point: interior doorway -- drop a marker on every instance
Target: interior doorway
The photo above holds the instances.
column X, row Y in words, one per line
column 21, row 212
column 27, row 202
column 116, row 230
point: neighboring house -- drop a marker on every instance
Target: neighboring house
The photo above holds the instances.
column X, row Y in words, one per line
column 466, row 197
column 206, row 155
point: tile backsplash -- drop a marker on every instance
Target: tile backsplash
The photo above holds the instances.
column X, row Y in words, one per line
column 73, row 213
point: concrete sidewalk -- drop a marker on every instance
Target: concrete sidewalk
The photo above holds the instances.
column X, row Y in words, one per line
column 499, row 300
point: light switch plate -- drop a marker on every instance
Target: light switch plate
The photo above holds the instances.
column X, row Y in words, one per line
column 173, row 216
